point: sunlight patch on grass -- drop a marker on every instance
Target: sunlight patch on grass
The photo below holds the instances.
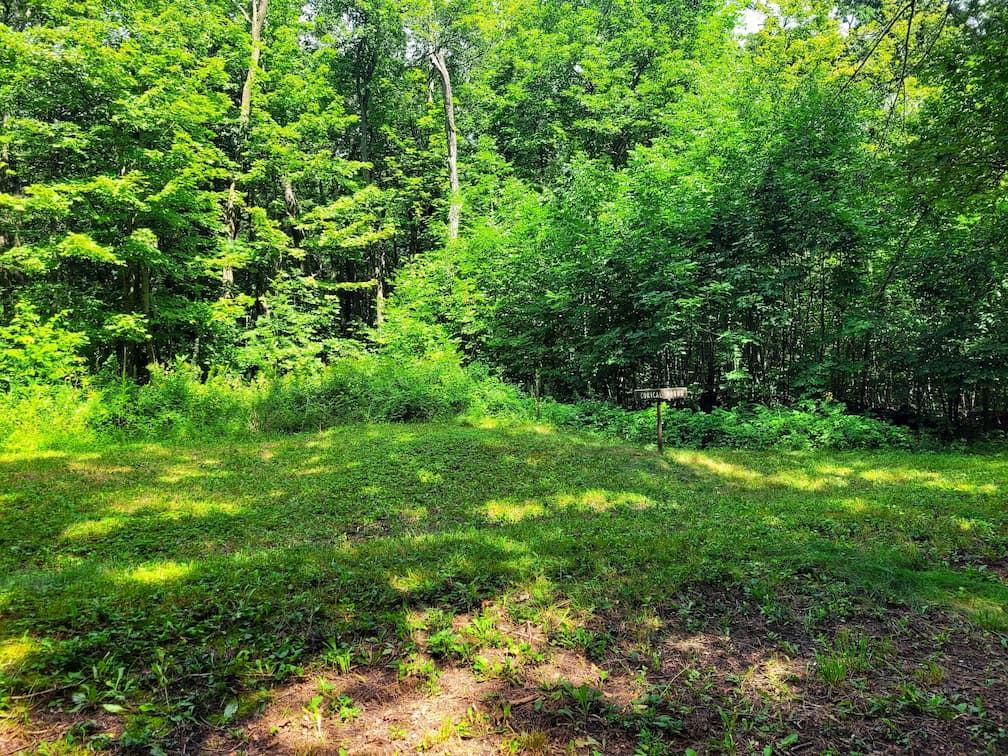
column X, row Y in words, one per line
column 805, row 482
column 429, row 477
column 485, row 423
column 598, row 500
column 835, row 470
column 717, row 466
column 317, row 470
column 185, row 472
column 14, row 652
column 155, row 572
column 93, row 528
column 856, row 505
column 98, row 472
column 773, row 678
column 175, row 507
column 898, row 476
column 411, row 580
column 798, row 479
column 18, row 457
column 969, row 524
column 988, row 614
column 514, row 511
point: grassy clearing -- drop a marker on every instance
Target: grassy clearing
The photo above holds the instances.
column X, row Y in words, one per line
column 450, row 588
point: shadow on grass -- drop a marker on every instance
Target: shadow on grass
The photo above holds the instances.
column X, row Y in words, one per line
column 210, row 571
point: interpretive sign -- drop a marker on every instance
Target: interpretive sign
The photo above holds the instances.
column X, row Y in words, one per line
column 659, row 395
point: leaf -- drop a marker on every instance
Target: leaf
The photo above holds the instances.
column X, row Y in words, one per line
column 84, row 247
column 231, row 709
column 113, row 708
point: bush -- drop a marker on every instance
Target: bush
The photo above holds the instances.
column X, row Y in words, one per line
column 41, row 416
column 807, row 426
column 359, row 388
column 33, row 350
column 178, row 404
column 175, row 403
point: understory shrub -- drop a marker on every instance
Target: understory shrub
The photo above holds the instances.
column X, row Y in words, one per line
column 809, row 425
column 364, row 388
column 175, row 403
column 38, row 415
column 178, row 403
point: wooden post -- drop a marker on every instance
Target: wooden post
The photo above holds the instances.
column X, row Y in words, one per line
column 661, row 440
column 538, row 394
column 659, row 396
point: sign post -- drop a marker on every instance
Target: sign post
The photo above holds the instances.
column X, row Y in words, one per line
column 661, row 434
column 659, row 396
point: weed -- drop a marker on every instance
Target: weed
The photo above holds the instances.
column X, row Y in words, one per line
column 313, row 713
column 533, row 742
column 592, row 643
column 338, row 655
column 849, row 655
column 930, row 673
column 447, row 643
column 344, row 708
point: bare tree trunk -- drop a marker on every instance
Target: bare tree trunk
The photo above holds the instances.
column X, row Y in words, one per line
column 259, row 9
column 256, row 22
column 367, row 62
column 365, row 134
column 455, row 203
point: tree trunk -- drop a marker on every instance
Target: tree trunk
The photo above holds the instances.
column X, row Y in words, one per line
column 259, row 9
column 367, row 62
column 291, row 205
column 256, row 22
column 455, row 203
column 365, row 134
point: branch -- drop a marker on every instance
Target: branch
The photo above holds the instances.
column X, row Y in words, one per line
column 242, row 9
column 882, row 35
column 899, row 254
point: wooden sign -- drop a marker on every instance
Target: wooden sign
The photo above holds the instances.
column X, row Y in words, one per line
column 661, row 394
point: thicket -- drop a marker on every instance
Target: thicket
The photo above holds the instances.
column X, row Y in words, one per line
column 179, row 404
column 413, row 373
column 809, row 425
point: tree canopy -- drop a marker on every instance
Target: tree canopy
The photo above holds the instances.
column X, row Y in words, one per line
column 764, row 202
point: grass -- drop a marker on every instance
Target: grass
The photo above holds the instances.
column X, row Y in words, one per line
column 168, row 594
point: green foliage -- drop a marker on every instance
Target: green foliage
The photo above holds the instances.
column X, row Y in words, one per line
column 810, row 204
column 44, row 416
column 37, row 351
column 366, row 389
column 177, row 402
column 812, row 425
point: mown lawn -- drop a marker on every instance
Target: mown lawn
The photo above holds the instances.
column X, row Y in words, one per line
column 487, row 590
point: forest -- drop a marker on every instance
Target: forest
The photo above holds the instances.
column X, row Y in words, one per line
column 321, row 323
column 766, row 203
